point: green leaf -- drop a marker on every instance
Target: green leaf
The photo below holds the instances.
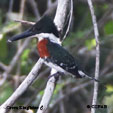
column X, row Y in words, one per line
column 25, row 54
column 91, row 43
column 41, row 92
column 105, row 6
column 108, row 100
column 58, row 88
column 109, row 88
column 108, row 28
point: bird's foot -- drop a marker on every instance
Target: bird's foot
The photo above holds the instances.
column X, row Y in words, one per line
column 56, row 75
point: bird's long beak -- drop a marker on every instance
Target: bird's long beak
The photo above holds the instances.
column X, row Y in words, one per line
column 25, row 34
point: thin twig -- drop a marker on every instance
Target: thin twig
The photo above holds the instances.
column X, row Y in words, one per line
column 49, row 3
column 47, row 95
column 35, row 8
column 97, row 1
column 14, row 60
column 19, row 52
column 25, row 22
column 95, row 93
column 3, row 66
column 51, row 9
column 22, row 6
column 22, row 88
column 10, row 6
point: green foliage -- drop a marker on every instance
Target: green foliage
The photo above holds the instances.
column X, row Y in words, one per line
column 26, row 64
column 108, row 28
column 58, row 88
column 3, row 46
column 109, row 89
column 105, row 6
column 90, row 44
column 1, row 18
column 5, row 91
column 25, row 55
column 41, row 92
column 79, row 34
column 72, row 36
column 108, row 98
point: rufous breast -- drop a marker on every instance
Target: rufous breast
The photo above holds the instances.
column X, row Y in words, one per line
column 42, row 48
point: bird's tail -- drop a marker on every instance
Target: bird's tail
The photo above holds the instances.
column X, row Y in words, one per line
column 82, row 74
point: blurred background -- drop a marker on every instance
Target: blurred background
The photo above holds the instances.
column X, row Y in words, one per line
column 18, row 58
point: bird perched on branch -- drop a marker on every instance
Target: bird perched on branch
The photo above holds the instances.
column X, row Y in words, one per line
column 53, row 54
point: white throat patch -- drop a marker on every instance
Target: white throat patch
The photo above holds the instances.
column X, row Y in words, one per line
column 51, row 36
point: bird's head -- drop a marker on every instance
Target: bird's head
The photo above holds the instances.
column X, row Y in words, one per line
column 44, row 28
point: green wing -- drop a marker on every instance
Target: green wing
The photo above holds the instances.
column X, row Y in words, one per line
column 62, row 58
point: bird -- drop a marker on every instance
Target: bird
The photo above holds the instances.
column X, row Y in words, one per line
column 50, row 49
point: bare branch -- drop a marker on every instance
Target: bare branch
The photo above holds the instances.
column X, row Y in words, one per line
column 35, row 8
column 24, row 85
column 14, row 60
column 19, row 51
column 94, row 101
column 25, row 22
column 49, row 3
column 61, row 14
column 96, row 1
column 51, row 9
column 3, row 66
column 10, row 6
column 70, row 19
column 47, row 95
column 22, row 6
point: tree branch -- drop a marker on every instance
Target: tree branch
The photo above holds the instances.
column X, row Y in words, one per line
column 35, row 8
column 25, row 22
column 70, row 19
column 95, row 93
column 14, row 60
column 47, row 95
column 3, row 66
column 61, row 14
column 10, row 6
column 22, row 6
column 24, row 85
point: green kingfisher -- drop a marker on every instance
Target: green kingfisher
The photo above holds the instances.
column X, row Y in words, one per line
column 49, row 48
